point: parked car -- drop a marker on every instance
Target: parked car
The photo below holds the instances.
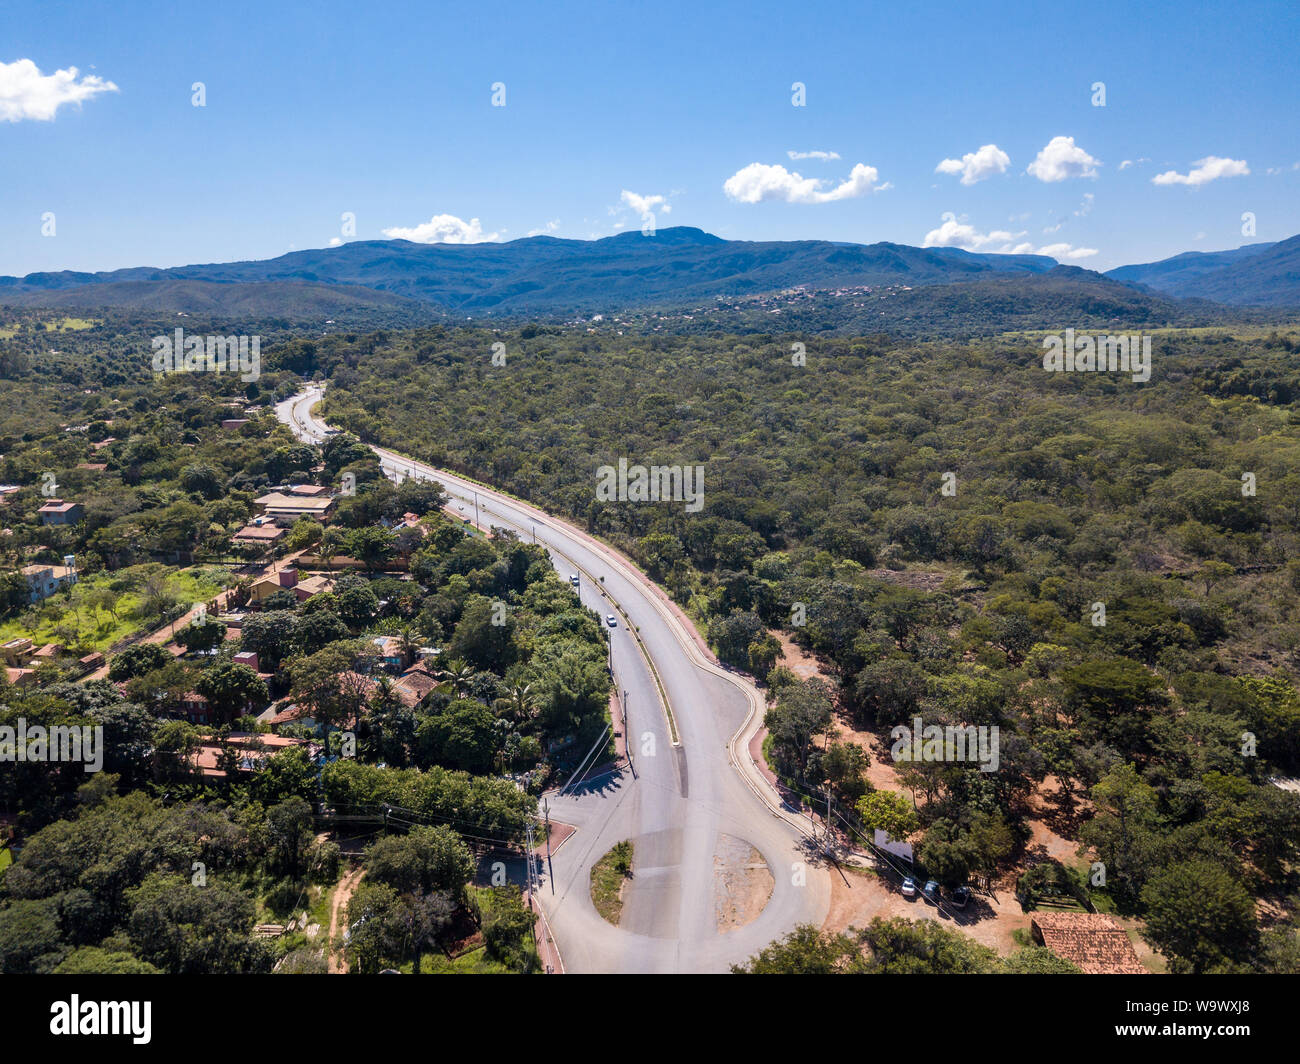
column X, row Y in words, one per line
column 573, row 579
column 909, row 887
column 612, row 621
column 961, row 897
column 931, row 890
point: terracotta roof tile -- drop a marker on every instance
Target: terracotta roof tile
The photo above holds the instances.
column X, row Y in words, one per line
column 1093, row 942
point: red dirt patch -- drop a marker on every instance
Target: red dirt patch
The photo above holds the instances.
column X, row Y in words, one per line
column 858, row 896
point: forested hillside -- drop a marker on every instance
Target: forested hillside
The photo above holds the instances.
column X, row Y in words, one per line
column 1171, row 505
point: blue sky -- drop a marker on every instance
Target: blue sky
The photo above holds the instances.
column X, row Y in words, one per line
column 385, row 110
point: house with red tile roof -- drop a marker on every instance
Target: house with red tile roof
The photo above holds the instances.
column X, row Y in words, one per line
column 414, row 685
column 1093, row 942
column 251, row 748
column 58, row 512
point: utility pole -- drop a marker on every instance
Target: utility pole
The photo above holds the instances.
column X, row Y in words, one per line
column 830, row 830
column 546, row 813
column 476, row 509
column 627, row 736
column 528, row 859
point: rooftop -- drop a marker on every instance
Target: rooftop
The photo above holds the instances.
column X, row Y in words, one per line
column 1093, row 942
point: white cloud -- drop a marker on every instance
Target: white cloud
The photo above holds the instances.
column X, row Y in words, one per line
column 1066, row 251
column 443, row 229
column 824, row 156
column 1060, row 159
column 1133, row 162
column 1085, row 208
column 1211, row 168
column 976, row 165
column 955, row 234
column 549, row 227
column 645, row 205
column 27, row 93
column 759, row 181
column 335, row 241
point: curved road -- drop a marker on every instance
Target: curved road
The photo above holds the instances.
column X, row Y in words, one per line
column 683, row 797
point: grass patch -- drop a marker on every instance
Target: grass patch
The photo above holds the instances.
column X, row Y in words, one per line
column 76, row 619
column 6, row 858
column 607, row 878
column 472, row 962
column 69, row 325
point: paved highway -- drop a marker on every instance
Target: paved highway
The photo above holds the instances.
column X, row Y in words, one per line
column 684, row 796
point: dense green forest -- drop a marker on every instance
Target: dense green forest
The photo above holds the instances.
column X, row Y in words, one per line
column 1105, row 570
column 1163, row 716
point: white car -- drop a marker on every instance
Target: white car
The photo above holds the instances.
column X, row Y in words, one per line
column 573, row 579
column 612, row 621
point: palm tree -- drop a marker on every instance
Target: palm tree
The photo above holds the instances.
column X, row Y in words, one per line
column 384, row 696
column 520, row 705
column 408, row 641
column 329, row 548
column 456, row 676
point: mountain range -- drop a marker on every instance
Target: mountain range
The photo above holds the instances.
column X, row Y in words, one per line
column 1254, row 275
column 675, row 267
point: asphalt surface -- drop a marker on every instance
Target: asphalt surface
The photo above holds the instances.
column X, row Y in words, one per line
column 678, row 798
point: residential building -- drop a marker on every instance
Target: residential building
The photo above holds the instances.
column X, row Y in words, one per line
column 17, row 652
column 415, row 685
column 58, row 512
column 287, row 508
column 259, row 534
column 44, row 580
column 20, row 677
column 252, row 749
column 390, row 654
column 1093, row 942
column 287, row 579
